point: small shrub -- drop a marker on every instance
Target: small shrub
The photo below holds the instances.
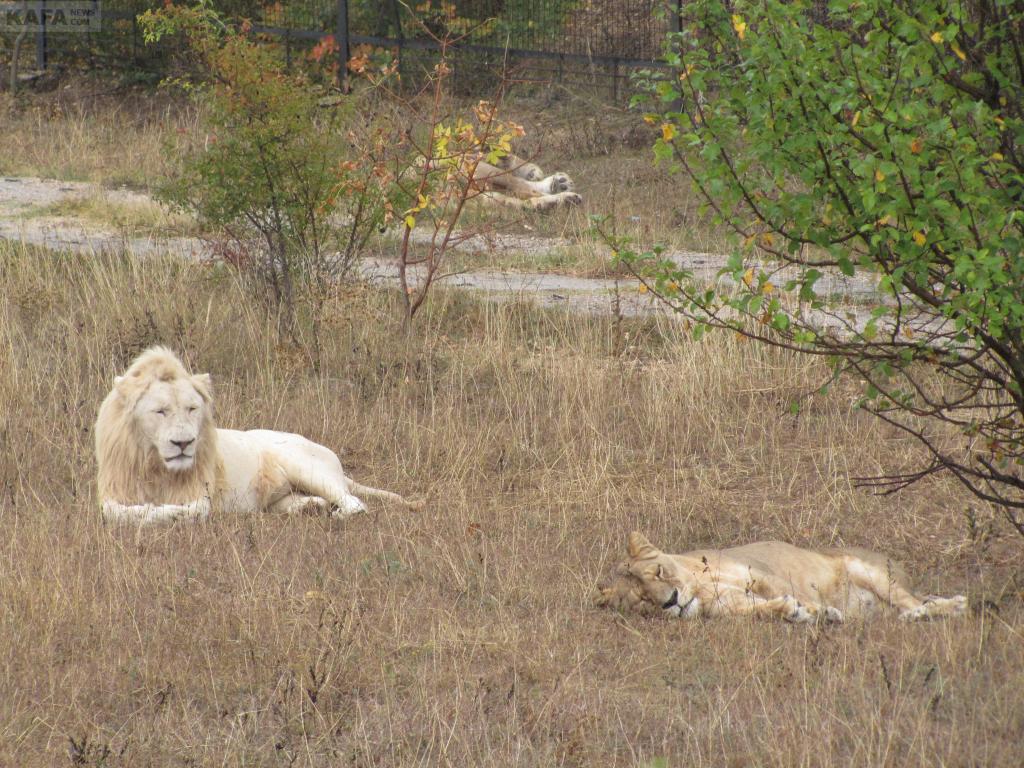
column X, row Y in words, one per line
column 284, row 176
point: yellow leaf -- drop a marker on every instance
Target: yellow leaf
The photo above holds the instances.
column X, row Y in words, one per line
column 919, row 238
column 739, row 25
column 650, row 119
column 997, row 156
column 936, row 37
column 960, row 54
column 916, row 146
column 767, row 288
column 642, row 288
column 856, row 118
column 885, row 221
column 748, row 277
column 879, row 176
column 410, row 221
column 668, row 131
column 767, row 240
column 672, row 287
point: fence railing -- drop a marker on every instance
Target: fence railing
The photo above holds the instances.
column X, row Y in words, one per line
column 601, row 39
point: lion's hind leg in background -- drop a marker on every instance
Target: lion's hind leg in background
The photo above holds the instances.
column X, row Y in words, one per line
column 301, row 504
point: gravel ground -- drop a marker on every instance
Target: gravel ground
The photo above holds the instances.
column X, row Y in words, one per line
column 22, row 196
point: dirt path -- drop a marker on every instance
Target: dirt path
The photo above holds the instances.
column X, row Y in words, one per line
column 24, row 217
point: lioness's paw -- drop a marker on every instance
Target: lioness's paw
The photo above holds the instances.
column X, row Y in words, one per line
column 559, row 182
column 795, row 613
column 800, row 616
column 958, row 605
column 531, row 172
column 934, row 607
column 830, row 615
column 915, row 614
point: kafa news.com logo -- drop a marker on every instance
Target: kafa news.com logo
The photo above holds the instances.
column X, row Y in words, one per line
column 51, row 16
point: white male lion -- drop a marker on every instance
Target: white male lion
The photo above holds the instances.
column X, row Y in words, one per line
column 160, row 457
column 767, row 578
column 521, row 184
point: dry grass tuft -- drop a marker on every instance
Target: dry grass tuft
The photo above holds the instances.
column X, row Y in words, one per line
column 463, row 635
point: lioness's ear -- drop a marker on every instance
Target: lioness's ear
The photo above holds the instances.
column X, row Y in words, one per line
column 640, row 547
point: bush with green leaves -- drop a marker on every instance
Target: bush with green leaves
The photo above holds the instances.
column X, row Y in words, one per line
column 874, row 140
column 299, row 185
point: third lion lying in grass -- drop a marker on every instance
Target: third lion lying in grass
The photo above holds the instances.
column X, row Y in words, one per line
column 768, row 578
column 516, row 182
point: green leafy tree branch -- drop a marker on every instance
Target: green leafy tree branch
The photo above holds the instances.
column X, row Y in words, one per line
column 877, row 141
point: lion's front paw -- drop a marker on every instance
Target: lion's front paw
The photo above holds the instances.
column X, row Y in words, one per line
column 313, row 506
column 352, row 507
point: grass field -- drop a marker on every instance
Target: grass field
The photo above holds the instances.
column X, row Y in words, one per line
column 463, row 635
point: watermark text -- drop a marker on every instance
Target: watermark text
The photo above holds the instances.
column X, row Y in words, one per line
column 52, row 16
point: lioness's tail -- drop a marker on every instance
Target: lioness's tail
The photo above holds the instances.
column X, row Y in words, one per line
column 365, row 490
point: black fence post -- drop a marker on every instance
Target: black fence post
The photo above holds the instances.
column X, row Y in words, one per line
column 341, row 38
column 41, row 38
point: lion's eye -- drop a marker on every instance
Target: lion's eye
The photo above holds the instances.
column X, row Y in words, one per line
column 161, row 412
column 193, row 409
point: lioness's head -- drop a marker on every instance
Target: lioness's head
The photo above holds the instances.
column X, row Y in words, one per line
column 649, row 581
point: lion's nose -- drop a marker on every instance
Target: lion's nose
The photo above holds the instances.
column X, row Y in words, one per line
column 182, row 444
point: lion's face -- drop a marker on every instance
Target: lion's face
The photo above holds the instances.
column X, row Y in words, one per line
column 665, row 585
column 649, row 582
column 170, row 417
column 625, row 593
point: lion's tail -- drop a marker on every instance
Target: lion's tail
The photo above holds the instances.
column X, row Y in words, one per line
column 366, row 490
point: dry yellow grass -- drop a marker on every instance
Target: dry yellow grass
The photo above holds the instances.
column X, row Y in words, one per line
column 94, row 130
column 463, row 635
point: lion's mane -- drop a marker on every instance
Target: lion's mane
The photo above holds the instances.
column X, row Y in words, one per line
column 129, row 468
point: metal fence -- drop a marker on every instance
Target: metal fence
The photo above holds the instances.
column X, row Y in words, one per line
column 592, row 41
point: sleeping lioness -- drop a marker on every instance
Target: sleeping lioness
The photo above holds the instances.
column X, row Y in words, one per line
column 767, row 578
